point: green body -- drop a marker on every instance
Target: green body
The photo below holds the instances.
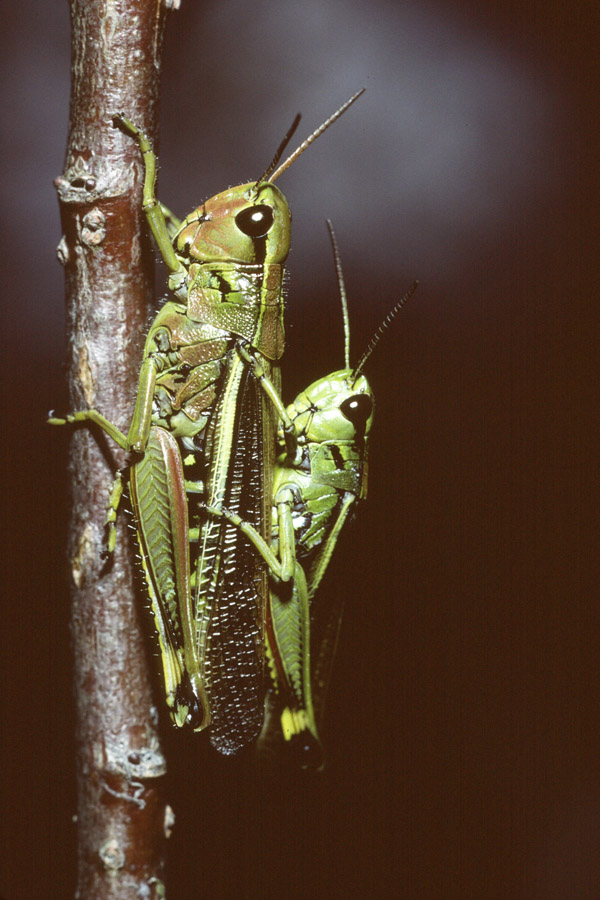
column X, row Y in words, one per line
column 209, row 400
column 312, row 502
column 204, row 428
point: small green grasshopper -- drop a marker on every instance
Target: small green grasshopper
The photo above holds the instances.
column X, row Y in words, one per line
column 203, row 429
column 312, row 500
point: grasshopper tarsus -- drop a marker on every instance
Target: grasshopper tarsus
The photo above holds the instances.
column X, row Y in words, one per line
column 123, row 123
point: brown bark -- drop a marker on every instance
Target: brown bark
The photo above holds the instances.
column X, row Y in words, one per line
column 109, row 286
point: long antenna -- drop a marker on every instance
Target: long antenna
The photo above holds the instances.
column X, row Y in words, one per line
column 342, row 289
column 380, row 331
column 280, row 149
column 311, row 138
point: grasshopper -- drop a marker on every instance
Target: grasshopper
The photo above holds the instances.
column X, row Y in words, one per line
column 312, row 500
column 203, row 429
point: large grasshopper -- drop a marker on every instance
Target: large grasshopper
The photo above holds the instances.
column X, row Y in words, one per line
column 312, row 500
column 203, row 430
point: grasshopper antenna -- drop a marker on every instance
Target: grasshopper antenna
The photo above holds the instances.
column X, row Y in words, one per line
column 280, row 149
column 312, row 137
column 342, row 290
column 380, row 331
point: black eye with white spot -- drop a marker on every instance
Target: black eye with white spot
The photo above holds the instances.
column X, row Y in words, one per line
column 255, row 221
column 357, row 410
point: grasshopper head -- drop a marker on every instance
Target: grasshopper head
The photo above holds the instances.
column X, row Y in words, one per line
column 248, row 224
column 334, row 408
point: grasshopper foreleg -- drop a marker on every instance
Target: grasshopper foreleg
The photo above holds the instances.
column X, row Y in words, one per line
column 251, row 533
column 92, row 415
column 155, row 212
column 289, row 430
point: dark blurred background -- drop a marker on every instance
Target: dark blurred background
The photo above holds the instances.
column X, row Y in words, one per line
column 463, row 715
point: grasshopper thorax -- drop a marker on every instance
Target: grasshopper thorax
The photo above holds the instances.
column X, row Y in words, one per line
column 248, row 224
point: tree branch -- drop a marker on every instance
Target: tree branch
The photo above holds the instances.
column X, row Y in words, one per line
column 109, row 285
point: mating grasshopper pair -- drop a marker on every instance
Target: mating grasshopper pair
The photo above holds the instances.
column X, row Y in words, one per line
column 225, row 581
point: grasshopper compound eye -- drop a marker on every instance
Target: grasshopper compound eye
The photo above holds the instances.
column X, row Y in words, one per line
column 357, row 410
column 255, row 221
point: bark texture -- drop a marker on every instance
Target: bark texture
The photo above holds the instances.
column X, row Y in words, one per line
column 122, row 816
